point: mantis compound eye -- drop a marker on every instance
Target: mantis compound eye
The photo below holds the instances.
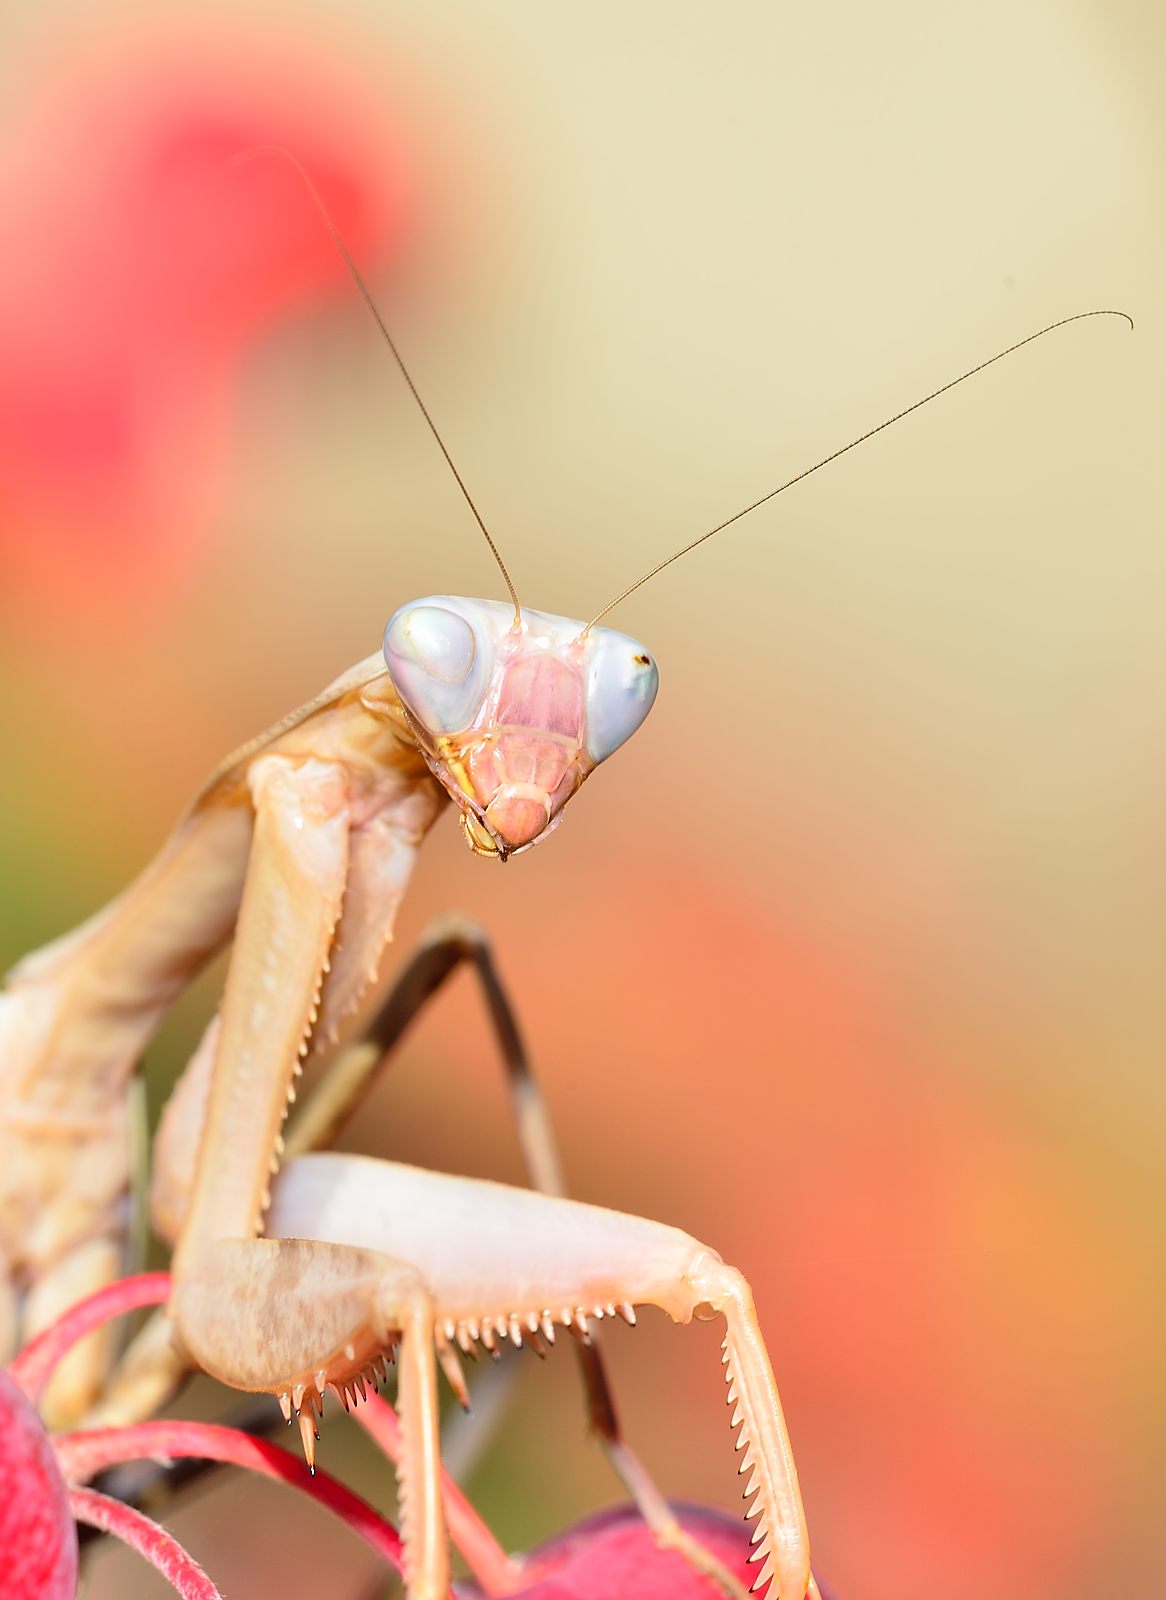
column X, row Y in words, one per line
column 437, row 664
column 622, row 680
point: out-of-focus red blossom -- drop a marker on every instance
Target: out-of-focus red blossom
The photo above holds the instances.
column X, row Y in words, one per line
column 614, row 1556
column 138, row 264
column 38, row 1543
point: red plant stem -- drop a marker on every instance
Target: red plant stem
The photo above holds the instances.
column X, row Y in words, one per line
column 32, row 1368
column 497, row 1573
column 158, row 1547
column 83, row 1454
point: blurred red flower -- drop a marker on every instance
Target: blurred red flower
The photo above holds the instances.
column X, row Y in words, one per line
column 37, row 1536
column 139, row 264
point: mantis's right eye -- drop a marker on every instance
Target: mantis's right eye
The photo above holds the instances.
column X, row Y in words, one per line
column 436, row 665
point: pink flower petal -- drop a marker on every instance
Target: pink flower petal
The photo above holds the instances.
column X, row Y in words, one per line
column 613, row 1556
column 159, row 1548
column 38, row 1543
column 32, row 1367
column 84, row 1454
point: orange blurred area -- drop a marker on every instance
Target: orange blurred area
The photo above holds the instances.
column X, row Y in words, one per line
column 851, row 963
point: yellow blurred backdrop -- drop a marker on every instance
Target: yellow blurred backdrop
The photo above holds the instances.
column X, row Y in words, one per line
column 852, row 962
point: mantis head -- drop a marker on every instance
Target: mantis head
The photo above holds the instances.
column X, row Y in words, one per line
column 512, row 711
column 513, row 708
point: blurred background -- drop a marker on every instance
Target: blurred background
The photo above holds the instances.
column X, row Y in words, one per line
column 851, row 964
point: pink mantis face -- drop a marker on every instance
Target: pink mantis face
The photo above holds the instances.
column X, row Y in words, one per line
column 512, row 717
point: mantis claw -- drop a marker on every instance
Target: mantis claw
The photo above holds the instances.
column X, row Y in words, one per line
column 457, row 1235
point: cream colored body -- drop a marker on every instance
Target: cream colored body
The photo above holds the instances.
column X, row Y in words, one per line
column 302, row 844
column 76, row 1016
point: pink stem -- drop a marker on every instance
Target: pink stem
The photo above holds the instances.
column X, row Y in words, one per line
column 159, row 1548
column 32, row 1367
column 496, row 1572
column 83, row 1454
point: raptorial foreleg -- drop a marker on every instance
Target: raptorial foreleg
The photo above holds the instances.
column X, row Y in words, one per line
column 450, row 943
column 293, row 1317
column 381, row 850
column 277, row 1315
column 500, row 1262
column 152, row 1368
column 74, row 1020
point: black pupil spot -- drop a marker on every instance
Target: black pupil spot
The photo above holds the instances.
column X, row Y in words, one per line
column 642, row 661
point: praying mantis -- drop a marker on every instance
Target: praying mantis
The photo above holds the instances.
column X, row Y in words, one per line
column 300, row 848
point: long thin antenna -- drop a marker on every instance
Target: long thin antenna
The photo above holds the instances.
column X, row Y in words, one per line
column 1078, row 316
column 278, row 150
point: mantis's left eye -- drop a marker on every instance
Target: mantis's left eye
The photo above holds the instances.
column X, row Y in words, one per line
column 622, row 680
column 433, row 656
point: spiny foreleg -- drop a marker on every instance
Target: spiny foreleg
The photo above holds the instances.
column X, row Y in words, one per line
column 75, row 1018
column 503, row 1263
column 448, row 944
